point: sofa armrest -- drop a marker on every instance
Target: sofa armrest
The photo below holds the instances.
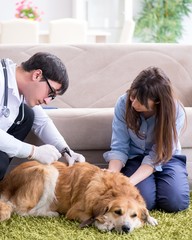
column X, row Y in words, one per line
column 186, row 135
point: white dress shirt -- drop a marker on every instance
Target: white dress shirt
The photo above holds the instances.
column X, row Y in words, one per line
column 43, row 126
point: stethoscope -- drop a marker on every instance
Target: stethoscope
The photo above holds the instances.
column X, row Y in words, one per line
column 5, row 110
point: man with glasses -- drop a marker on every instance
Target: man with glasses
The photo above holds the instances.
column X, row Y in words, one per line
column 23, row 89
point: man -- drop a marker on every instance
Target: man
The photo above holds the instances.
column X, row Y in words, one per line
column 22, row 90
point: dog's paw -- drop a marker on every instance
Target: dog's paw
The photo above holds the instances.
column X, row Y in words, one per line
column 52, row 214
column 152, row 221
column 103, row 224
column 5, row 211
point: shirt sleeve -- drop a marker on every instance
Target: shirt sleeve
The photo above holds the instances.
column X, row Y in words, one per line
column 149, row 160
column 14, row 147
column 120, row 137
column 46, row 130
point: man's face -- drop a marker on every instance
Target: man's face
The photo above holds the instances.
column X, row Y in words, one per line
column 40, row 90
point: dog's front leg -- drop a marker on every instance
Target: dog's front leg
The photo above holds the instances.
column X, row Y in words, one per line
column 76, row 212
column 152, row 221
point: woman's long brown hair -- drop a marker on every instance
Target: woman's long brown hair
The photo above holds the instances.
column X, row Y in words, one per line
column 153, row 84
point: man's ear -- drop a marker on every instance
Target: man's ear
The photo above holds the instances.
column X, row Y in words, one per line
column 37, row 75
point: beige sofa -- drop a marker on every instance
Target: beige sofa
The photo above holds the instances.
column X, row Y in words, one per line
column 99, row 74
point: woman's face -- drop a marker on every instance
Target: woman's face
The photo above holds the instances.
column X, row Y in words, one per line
column 141, row 108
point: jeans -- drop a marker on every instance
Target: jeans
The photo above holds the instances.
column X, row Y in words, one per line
column 167, row 190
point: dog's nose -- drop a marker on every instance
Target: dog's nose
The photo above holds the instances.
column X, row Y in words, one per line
column 125, row 228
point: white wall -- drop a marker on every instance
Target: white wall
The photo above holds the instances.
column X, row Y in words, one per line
column 103, row 15
column 95, row 11
column 52, row 9
column 187, row 30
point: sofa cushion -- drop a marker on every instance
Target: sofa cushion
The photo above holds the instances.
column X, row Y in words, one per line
column 82, row 128
column 91, row 128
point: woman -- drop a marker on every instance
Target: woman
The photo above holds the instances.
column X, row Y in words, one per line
column 147, row 122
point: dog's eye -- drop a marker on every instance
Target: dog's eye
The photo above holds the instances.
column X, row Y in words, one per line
column 118, row 212
column 134, row 215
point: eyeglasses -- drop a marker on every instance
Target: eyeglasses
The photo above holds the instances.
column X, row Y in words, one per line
column 52, row 94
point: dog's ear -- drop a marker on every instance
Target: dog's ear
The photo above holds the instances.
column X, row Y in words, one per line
column 146, row 218
column 140, row 199
column 144, row 215
column 101, row 219
column 100, row 210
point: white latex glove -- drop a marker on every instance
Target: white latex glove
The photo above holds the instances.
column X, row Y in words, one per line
column 75, row 157
column 45, row 154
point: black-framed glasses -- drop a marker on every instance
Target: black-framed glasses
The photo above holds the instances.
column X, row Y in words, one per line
column 52, row 94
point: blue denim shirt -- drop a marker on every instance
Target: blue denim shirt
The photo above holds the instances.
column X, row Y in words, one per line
column 125, row 144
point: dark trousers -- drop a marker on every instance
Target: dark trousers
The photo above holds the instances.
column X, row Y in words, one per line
column 19, row 131
column 167, row 190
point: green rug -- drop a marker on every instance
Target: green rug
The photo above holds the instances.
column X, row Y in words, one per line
column 177, row 226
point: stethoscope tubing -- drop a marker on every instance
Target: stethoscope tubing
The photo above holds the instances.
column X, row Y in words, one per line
column 6, row 83
column 5, row 110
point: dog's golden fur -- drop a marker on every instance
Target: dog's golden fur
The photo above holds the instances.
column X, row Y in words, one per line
column 82, row 192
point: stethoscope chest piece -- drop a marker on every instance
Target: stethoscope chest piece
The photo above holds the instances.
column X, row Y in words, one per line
column 5, row 111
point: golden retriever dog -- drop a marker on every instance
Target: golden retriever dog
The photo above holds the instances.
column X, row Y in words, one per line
column 83, row 192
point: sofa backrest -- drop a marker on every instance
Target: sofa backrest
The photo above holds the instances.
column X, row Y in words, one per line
column 100, row 73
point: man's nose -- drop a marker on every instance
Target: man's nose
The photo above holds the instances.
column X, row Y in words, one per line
column 47, row 100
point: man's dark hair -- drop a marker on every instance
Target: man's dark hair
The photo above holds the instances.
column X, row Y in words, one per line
column 51, row 66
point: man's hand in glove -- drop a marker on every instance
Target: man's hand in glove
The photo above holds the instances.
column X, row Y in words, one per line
column 72, row 156
column 45, row 154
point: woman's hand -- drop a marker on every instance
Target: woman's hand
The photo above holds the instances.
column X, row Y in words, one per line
column 141, row 173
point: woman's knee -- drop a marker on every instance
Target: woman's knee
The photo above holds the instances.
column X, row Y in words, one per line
column 173, row 186
column 147, row 189
column 174, row 202
column 150, row 202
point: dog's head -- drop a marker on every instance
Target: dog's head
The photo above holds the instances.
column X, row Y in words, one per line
column 122, row 215
column 117, row 205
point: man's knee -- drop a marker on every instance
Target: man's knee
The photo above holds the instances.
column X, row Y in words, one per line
column 4, row 164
